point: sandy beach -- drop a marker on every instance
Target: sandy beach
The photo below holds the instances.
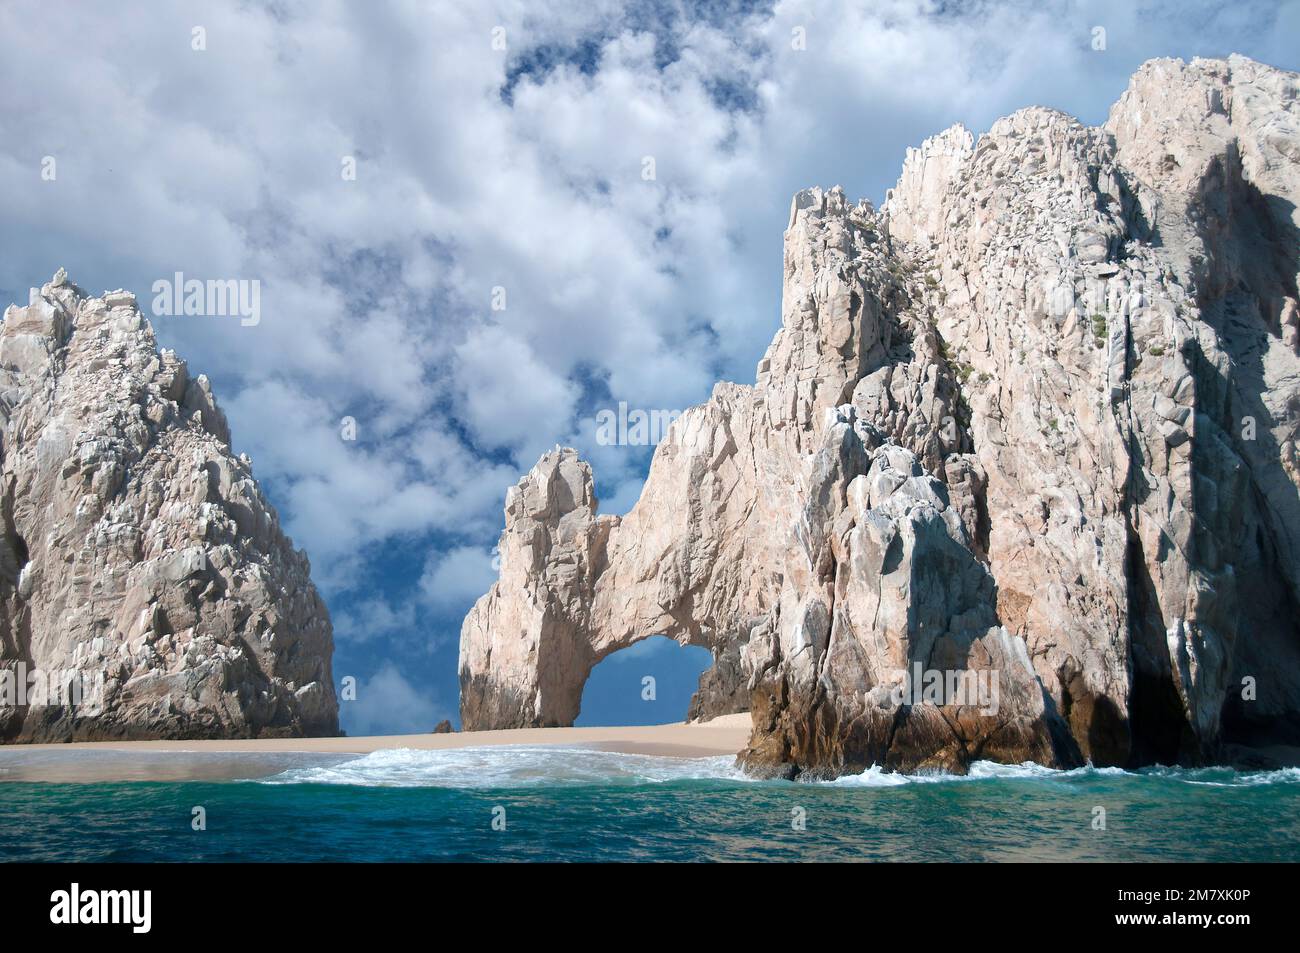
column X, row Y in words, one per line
column 213, row 760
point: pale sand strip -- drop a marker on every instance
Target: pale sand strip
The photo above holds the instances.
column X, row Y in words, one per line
column 724, row 735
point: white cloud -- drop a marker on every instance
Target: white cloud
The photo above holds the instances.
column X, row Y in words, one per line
column 389, row 703
column 507, row 395
column 375, row 618
column 346, row 494
column 456, row 578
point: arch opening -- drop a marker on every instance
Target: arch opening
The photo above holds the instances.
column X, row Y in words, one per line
column 650, row 682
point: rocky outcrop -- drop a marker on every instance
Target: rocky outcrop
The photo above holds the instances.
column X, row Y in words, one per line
column 1017, row 479
column 140, row 566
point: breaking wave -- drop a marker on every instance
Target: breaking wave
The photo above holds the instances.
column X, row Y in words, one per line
column 512, row 766
column 508, row 766
column 991, row 770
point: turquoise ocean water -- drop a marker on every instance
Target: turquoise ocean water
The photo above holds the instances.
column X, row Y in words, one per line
column 583, row 805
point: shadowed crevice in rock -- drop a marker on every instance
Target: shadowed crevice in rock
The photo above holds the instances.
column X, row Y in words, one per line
column 723, row 687
column 1161, row 733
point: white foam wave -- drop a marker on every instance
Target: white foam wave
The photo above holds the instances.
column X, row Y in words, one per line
column 1224, row 777
column 509, row 766
column 1029, row 771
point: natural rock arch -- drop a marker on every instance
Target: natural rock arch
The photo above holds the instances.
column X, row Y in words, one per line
column 572, row 592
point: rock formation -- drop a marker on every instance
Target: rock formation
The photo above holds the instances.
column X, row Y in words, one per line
column 140, row 564
column 1030, row 425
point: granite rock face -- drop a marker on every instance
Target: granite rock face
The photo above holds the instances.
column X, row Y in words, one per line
column 140, row 564
column 1026, row 437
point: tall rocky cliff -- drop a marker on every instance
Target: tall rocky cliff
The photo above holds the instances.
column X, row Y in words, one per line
column 140, row 565
column 1031, row 424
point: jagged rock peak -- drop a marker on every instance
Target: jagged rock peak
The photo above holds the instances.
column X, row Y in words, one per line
column 912, row 205
column 139, row 558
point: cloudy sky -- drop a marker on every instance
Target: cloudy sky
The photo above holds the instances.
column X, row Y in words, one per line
column 500, row 153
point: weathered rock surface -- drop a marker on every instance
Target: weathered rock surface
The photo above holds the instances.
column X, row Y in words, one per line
column 138, row 554
column 1032, row 424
